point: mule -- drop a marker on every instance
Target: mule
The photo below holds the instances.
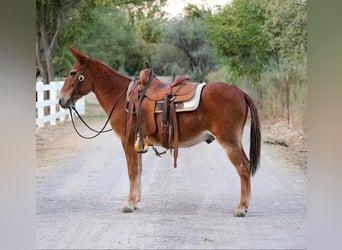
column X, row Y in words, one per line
column 222, row 113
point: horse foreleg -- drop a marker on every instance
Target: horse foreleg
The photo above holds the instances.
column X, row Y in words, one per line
column 138, row 178
column 134, row 168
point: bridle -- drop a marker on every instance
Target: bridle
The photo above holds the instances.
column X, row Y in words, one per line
column 80, row 79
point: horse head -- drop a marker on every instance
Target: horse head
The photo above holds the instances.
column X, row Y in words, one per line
column 78, row 82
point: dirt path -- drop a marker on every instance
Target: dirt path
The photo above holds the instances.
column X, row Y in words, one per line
column 82, row 185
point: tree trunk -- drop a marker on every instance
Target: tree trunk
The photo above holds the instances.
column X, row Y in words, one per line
column 288, row 100
column 259, row 95
column 48, row 67
column 280, row 104
column 40, row 65
column 48, row 43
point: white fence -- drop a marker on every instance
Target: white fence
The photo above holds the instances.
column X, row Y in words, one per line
column 55, row 111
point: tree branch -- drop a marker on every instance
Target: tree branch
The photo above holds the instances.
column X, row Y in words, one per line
column 69, row 4
column 39, row 63
column 59, row 25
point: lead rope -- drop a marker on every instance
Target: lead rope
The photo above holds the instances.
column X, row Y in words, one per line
column 94, row 130
column 84, row 137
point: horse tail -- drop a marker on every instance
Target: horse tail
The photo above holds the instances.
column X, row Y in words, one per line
column 255, row 136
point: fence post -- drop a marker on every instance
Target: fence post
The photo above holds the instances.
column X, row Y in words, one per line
column 60, row 110
column 53, row 96
column 56, row 113
column 40, row 98
column 80, row 105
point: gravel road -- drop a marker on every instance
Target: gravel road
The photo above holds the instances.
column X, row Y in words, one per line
column 82, row 187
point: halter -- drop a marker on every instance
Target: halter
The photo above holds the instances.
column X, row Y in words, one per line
column 80, row 79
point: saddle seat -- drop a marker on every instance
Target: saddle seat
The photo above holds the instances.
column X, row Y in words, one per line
column 181, row 89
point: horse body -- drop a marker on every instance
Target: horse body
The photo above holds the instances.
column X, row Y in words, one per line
column 195, row 126
column 221, row 114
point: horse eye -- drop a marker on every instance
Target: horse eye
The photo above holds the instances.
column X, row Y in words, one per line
column 72, row 73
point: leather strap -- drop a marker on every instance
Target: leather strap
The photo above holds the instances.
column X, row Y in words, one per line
column 132, row 104
column 174, row 124
column 166, row 121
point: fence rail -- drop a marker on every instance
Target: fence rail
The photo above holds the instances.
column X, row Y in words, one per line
column 53, row 112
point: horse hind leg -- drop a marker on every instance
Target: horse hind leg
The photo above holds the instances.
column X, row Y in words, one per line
column 239, row 160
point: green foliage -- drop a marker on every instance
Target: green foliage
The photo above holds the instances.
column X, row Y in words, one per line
column 112, row 40
column 257, row 42
column 262, row 42
column 60, row 23
column 193, row 11
column 255, row 36
column 51, row 35
column 166, row 59
column 184, row 49
column 236, row 35
column 140, row 10
column 75, row 28
column 150, row 30
column 286, row 31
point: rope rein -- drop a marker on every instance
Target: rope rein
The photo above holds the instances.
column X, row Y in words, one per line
column 98, row 132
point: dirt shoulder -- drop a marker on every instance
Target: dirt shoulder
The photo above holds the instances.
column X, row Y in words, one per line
column 55, row 143
column 290, row 141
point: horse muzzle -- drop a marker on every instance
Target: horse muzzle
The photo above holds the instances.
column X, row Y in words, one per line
column 65, row 102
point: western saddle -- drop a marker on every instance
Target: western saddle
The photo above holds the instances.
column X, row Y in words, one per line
column 146, row 96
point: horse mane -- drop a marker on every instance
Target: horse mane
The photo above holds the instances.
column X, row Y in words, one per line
column 120, row 79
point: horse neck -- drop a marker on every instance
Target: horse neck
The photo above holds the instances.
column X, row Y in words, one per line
column 109, row 87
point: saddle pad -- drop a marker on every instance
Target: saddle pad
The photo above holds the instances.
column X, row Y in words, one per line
column 190, row 105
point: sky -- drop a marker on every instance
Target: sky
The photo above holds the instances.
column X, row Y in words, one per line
column 175, row 7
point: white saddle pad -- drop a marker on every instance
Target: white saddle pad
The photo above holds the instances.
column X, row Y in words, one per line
column 190, row 105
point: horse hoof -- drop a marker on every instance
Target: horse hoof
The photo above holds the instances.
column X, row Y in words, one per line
column 240, row 213
column 127, row 209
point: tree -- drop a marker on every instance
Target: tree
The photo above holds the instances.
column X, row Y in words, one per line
column 50, row 17
column 184, row 48
column 142, row 10
column 112, row 40
column 235, row 33
column 285, row 28
column 51, row 37
column 265, row 42
column 193, row 11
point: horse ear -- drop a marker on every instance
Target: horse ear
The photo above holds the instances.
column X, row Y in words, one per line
column 77, row 54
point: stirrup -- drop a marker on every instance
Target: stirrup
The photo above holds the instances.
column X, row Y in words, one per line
column 141, row 145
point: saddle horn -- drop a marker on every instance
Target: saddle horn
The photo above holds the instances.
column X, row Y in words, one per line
column 146, row 73
column 147, row 65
